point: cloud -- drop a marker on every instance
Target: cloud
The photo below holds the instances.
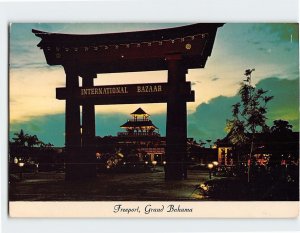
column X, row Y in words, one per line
column 285, row 104
column 33, row 93
column 215, row 78
column 209, row 119
column 266, row 50
column 253, row 42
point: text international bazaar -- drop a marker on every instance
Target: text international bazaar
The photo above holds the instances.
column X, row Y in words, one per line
column 120, row 90
column 151, row 88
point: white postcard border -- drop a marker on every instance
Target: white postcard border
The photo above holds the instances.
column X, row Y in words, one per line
column 130, row 209
column 227, row 11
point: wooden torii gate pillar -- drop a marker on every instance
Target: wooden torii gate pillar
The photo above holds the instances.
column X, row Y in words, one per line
column 173, row 49
column 79, row 136
column 176, row 131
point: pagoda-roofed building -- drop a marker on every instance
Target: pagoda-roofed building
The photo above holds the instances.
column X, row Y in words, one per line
column 139, row 125
column 141, row 132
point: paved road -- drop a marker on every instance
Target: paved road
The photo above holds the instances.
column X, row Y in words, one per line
column 150, row 186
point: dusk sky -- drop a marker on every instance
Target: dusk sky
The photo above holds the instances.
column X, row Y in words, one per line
column 272, row 49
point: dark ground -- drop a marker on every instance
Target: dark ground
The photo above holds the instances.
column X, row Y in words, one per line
column 151, row 186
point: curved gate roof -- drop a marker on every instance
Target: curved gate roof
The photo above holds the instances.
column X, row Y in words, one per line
column 129, row 51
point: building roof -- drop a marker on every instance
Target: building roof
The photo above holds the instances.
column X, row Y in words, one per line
column 139, row 111
column 133, row 124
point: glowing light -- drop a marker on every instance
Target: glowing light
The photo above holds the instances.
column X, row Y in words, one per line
column 204, row 187
column 188, row 46
column 210, row 165
column 154, row 162
column 215, row 163
column 120, row 155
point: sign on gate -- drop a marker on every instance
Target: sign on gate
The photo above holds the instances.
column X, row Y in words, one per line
column 119, row 94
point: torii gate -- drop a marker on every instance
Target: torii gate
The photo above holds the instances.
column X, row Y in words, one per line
column 173, row 49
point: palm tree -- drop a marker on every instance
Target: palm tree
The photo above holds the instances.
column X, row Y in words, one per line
column 20, row 138
column 32, row 140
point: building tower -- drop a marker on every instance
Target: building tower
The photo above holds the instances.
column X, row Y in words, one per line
column 139, row 125
column 141, row 132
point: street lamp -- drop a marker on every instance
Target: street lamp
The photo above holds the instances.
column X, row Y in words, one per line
column 21, row 165
column 215, row 163
column 37, row 167
column 210, row 166
column 154, row 162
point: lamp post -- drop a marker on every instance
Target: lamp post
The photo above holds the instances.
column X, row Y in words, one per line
column 210, row 166
column 215, row 163
column 16, row 163
column 36, row 167
column 154, row 163
column 21, row 165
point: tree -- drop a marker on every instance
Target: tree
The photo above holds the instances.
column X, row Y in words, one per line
column 48, row 145
column 284, row 143
column 28, row 140
column 248, row 116
column 202, row 143
column 20, row 138
column 32, row 140
column 281, row 127
column 208, row 141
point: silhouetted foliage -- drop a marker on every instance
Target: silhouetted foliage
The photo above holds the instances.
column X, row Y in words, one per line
column 24, row 139
column 248, row 115
column 29, row 147
column 20, row 138
column 281, row 127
